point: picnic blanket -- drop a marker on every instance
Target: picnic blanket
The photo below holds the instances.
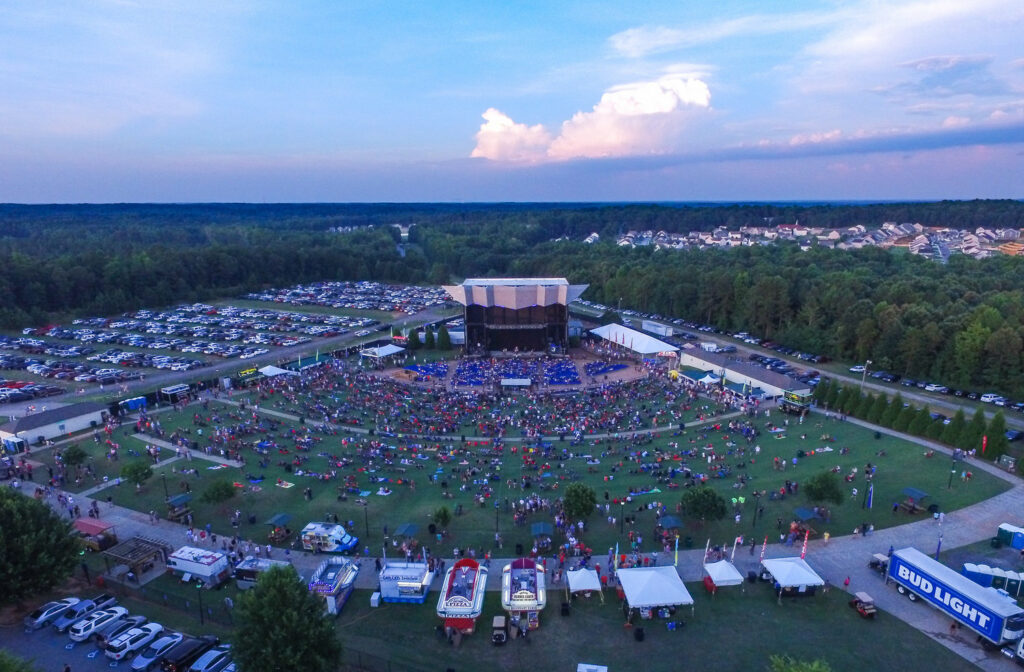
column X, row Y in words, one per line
column 216, row 467
column 285, row 484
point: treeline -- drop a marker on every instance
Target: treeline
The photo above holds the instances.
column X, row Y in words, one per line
column 988, row 437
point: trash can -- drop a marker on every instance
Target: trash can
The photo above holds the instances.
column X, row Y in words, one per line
column 995, row 542
column 688, row 542
column 519, row 550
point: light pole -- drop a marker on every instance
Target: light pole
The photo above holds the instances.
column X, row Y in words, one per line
column 952, row 472
column 496, row 530
column 167, row 495
column 199, row 587
column 366, row 520
column 622, row 515
column 864, row 374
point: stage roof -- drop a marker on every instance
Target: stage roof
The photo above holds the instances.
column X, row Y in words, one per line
column 515, row 293
column 634, row 340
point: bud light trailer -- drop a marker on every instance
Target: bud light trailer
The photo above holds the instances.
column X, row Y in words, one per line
column 996, row 618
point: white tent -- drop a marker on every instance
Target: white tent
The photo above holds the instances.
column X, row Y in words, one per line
column 583, row 579
column 271, row 371
column 381, row 351
column 709, row 379
column 723, row 573
column 634, row 340
column 792, row 573
column 652, row 587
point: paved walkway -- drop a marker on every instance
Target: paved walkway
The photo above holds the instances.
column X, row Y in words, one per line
column 842, row 557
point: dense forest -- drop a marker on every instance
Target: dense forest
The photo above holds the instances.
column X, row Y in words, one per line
column 961, row 323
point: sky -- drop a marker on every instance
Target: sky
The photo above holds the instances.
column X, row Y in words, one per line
column 342, row 101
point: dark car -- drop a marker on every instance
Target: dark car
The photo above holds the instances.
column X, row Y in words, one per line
column 1014, row 435
column 187, row 652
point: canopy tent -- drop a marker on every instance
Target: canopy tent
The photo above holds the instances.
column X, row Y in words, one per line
column 516, row 382
column 271, row 371
column 407, row 530
column 792, row 576
column 541, row 529
column 671, row 522
column 709, row 379
column 583, row 581
column 279, row 520
column 915, row 494
column 722, row 573
column 381, row 351
column 653, row 587
column 634, row 340
column 804, row 514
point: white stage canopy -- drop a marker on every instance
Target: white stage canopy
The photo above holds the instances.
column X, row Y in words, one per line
column 583, row 579
column 381, row 351
column 271, row 371
column 723, row 573
column 634, row 340
column 792, row 572
column 709, row 379
column 653, row 587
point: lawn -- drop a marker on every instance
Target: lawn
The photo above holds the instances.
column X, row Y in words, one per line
column 616, row 471
column 737, row 630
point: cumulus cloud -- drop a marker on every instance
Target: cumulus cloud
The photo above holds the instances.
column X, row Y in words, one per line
column 501, row 139
column 629, row 120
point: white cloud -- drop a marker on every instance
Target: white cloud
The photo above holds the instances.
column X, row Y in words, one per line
column 640, row 118
column 955, row 122
column 629, row 120
column 815, row 138
column 501, row 139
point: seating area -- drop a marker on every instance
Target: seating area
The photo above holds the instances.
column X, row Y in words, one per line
column 472, row 372
column 561, row 372
column 425, row 372
column 601, row 368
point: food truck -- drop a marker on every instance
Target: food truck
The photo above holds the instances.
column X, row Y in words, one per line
column 405, row 581
column 327, row 538
column 333, row 580
column 522, row 591
column 462, row 595
column 248, row 571
column 209, row 567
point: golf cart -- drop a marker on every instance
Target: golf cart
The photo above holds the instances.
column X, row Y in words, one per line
column 499, row 630
column 864, row 604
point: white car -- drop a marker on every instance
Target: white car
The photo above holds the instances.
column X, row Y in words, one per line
column 156, row 651
column 990, row 398
column 96, row 623
column 935, row 387
column 133, row 640
column 857, row 369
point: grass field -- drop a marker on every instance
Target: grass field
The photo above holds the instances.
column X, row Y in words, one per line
column 903, row 465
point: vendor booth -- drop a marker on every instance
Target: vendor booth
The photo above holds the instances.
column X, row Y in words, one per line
column 654, row 591
column 791, row 576
column 405, row 582
column 584, row 581
column 334, row 580
column 721, row 573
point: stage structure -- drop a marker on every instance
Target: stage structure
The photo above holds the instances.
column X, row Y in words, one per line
column 528, row 314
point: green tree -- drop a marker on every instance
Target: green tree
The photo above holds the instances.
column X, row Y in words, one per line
column 443, row 516
column 37, row 550
column 704, row 503
column 970, row 438
column 788, row 664
column 444, row 340
column 846, row 399
column 823, row 487
column 878, row 408
column 832, row 399
column 893, row 412
column 903, row 420
column 821, row 391
column 997, row 443
column 9, row 663
column 429, row 342
column 864, row 406
column 218, row 491
column 73, row 455
column 922, row 420
column 413, row 342
column 580, row 501
column 936, row 430
column 282, row 626
column 954, row 430
column 137, row 472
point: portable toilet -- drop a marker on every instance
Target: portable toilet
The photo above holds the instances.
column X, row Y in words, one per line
column 1013, row 581
column 1005, row 533
column 998, row 578
column 972, row 572
column 1018, row 540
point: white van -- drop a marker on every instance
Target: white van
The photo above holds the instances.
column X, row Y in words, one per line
column 990, row 398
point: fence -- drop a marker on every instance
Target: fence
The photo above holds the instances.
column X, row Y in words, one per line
column 201, row 604
column 355, row 660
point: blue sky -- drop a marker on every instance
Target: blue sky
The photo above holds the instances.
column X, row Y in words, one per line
column 117, row 100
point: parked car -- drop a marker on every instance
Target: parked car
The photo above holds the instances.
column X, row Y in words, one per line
column 96, row 623
column 48, row 612
column 80, row 610
column 213, row 660
column 129, row 642
column 155, row 652
column 129, row 623
column 857, row 369
column 991, row 398
column 187, row 652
